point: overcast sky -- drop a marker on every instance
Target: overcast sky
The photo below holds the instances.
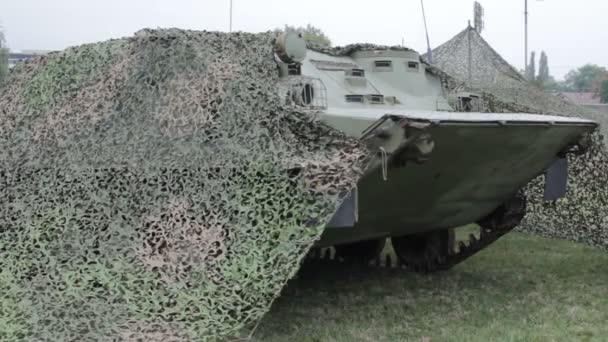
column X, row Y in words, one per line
column 571, row 32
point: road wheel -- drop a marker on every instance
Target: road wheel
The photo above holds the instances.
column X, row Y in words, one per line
column 424, row 252
column 362, row 251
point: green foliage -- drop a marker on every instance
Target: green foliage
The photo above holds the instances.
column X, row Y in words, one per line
column 551, row 85
column 3, row 64
column 604, row 92
column 543, row 69
column 531, row 69
column 311, row 34
column 581, row 79
column 3, row 58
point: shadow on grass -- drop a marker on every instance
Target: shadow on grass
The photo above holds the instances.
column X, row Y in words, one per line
column 522, row 288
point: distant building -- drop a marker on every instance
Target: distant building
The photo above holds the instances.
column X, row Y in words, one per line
column 580, row 98
column 35, row 52
column 589, row 100
column 14, row 58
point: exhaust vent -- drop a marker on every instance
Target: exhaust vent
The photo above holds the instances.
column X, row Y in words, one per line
column 355, row 77
column 354, row 98
column 383, row 66
column 413, row 66
column 371, row 99
column 374, row 99
column 355, row 73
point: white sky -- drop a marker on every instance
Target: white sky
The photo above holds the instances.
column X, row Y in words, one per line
column 571, row 32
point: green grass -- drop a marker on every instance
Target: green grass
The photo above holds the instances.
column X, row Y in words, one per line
column 522, row 288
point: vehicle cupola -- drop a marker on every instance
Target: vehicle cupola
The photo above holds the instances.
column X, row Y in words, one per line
column 290, row 47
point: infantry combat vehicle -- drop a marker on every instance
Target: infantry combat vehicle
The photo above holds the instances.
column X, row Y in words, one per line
column 439, row 163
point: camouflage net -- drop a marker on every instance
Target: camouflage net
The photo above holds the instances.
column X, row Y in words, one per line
column 583, row 214
column 350, row 49
column 154, row 188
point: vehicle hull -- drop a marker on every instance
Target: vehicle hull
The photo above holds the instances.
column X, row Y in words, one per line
column 474, row 167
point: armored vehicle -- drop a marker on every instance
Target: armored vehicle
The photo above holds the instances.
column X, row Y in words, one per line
column 166, row 186
column 439, row 162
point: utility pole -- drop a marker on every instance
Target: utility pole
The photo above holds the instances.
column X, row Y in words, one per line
column 230, row 15
column 526, row 38
column 526, row 29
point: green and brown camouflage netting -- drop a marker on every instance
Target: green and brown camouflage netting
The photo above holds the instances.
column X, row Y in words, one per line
column 154, row 188
column 583, row 214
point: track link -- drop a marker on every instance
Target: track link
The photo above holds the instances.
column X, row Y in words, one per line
column 504, row 219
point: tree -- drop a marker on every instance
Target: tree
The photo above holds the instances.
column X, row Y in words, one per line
column 311, row 34
column 604, row 92
column 3, row 57
column 581, row 79
column 531, row 69
column 552, row 86
column 543, row 69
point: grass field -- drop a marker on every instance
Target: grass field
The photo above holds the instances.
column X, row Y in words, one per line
column 522, row 288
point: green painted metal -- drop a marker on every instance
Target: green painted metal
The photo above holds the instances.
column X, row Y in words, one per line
column 473, row 169
column 477, row 160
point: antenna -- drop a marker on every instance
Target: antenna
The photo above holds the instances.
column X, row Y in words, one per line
column 478, row 15
column 428, row 43
column 478, row 27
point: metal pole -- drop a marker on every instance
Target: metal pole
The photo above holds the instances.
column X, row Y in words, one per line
column 470, row 55
column 526, row 38
column 230, row 15
column 428, row 42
